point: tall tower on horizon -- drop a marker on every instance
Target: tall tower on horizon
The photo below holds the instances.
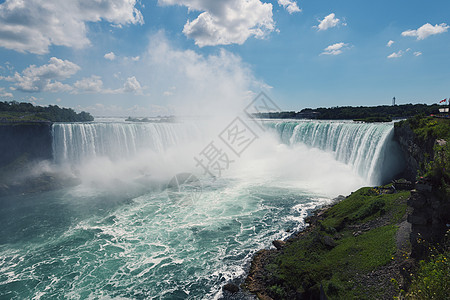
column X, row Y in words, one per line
column 393, row 101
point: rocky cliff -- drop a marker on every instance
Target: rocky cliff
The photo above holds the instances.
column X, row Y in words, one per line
column 429, row 201
column 416, row 151
column 25, row 141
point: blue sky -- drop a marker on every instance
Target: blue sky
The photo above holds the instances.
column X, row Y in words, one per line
column 146, row 58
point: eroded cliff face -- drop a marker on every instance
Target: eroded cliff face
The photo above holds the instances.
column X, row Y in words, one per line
column 430, row 204
column 416, row 152
column 29, row 142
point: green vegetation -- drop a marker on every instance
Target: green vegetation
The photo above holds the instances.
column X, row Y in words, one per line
column 432, row 279
column 438, row 169
column 427, row 128
column 355, row 237
column 433, row 133
column 375, row 113
column 15, row 112
column 374, row 119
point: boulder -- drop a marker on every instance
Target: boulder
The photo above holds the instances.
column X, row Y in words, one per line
column 328, row 241
column 231, row 287
column 279, row 244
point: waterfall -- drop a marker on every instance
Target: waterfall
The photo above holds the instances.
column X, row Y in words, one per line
column 368, row 148
column 76, row 142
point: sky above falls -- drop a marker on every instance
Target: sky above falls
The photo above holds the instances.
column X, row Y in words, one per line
column 161, row 57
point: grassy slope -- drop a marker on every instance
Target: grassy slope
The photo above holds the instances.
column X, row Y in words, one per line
column 356, row 236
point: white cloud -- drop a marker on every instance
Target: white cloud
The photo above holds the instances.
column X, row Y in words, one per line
column 329, row 21
column 132, row 85
column 58, row 87
column 93, row 84
column 417, row 53
column 226, row 22
column 199, row 84
column 335, row 49
column 44, row 78
column 135, row 58
column 34, row 25
column 110, row 56
column 390, row 43
column 290, row 6
column 4, row 94
column 396, row 54
column 170, row 92
column 426, row 30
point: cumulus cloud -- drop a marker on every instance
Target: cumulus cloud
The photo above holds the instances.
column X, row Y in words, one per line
column 426, row 30
column 396, row 54
column 49, row 77
column 110, row 56
column 4, row 94
column 226, row 22
column 290, row 6
column 328, row 22
column 197, row 84
column 93, row 84
column 335, row 49
column 34, row 25
column 390, row 43
column 44, row 78
column 132, row 85
column 417, row 53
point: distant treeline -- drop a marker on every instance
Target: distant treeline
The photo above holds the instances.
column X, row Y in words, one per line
column 14, row 111
column 384, row 112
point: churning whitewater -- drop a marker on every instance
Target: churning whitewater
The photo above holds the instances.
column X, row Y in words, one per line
column 119, row 235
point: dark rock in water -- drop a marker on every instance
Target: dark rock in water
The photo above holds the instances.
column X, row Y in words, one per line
column 231, row 287
column 279, row 244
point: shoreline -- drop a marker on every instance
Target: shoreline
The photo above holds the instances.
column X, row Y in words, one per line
column 251, row 282
column 236, row 289
column 255, row 284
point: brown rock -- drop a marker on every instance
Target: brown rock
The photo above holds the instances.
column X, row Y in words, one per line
column 279, row 244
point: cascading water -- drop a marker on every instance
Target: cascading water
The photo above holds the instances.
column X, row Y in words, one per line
column 98, row 241
column 365, row 147
column 75, row 142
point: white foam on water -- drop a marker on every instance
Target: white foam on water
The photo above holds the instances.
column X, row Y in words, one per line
column 128, row 239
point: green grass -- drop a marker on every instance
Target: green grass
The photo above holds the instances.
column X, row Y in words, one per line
column 362, row 206
column 309, row 262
